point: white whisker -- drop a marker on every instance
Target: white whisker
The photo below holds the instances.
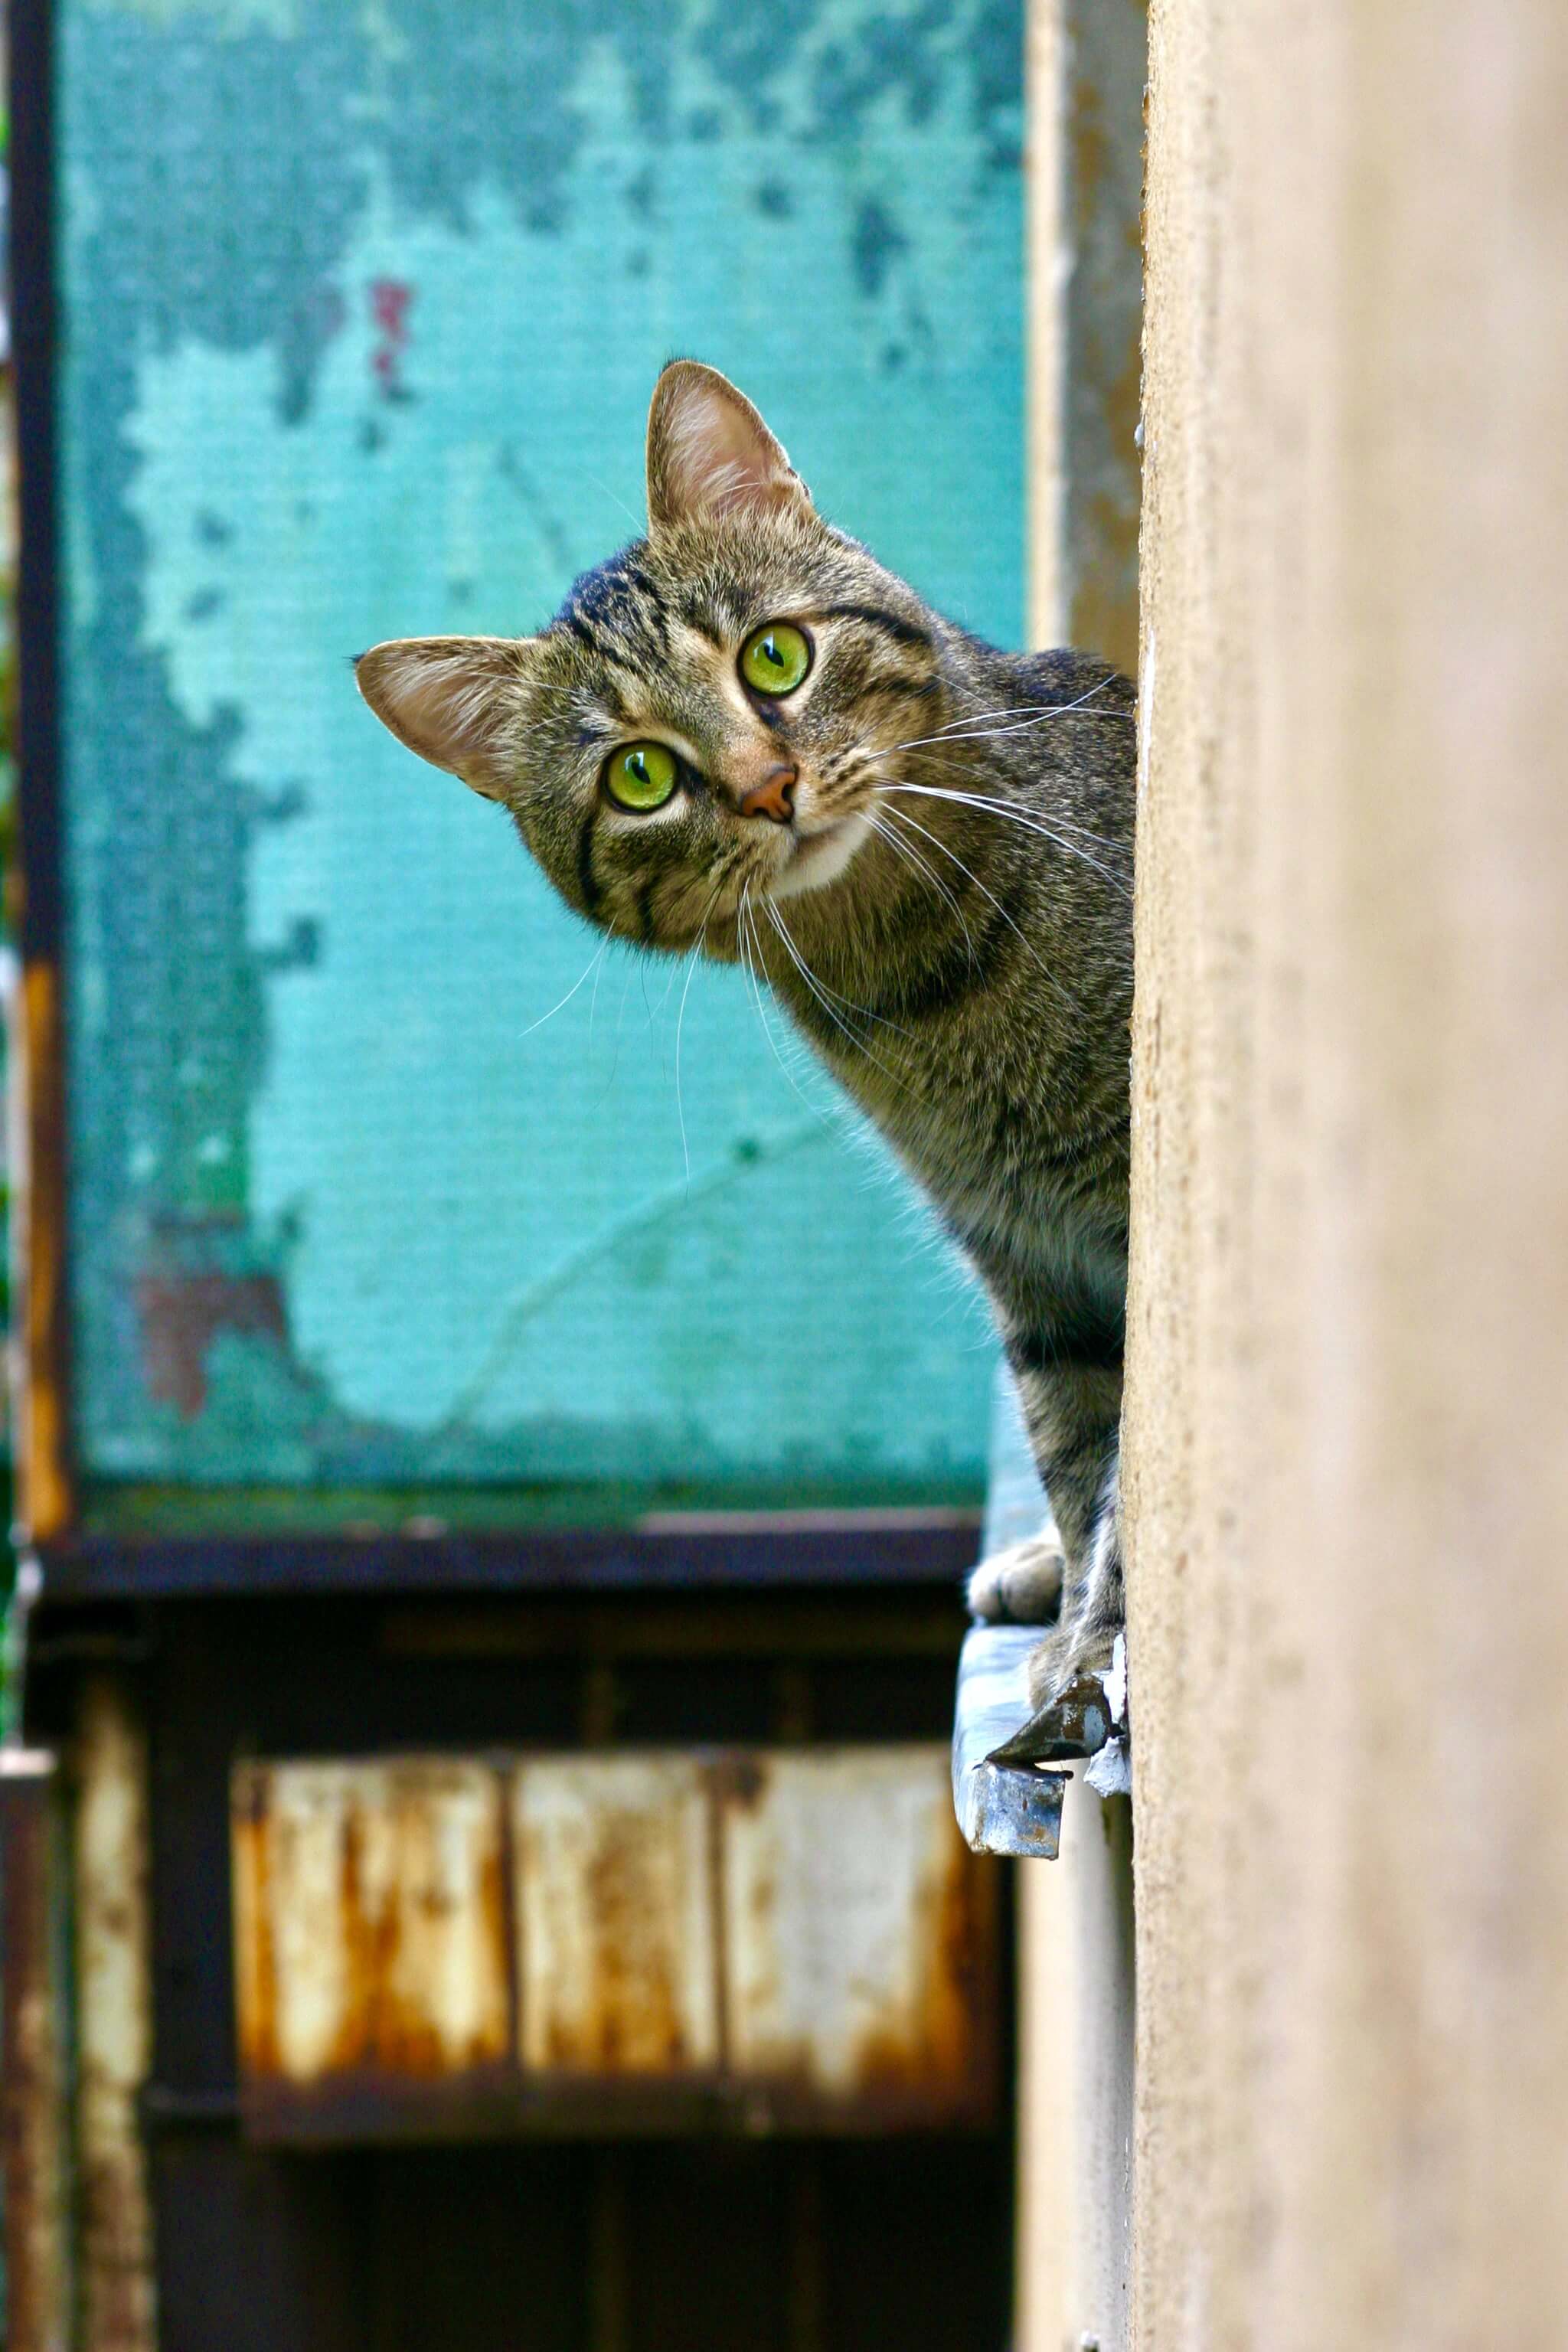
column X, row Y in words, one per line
column 1020, row 727
column 1017, row 816
column 680, row 1026
column 590, row 966
column 968, row 728
column 668, row 985
column 633, row 520
column 745, row 939
column 937, row 843
column 693, row 953
column 818, row 989
column 1070, row 824
column 1048, row 708
column 1028, row 815
column 594, row 999
column 620, row 1020
column 911, row 855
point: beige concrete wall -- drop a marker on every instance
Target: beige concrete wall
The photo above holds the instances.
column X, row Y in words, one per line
column 1347, row 1444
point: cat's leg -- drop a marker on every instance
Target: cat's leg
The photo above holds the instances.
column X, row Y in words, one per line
column 1092, row 1618
column 1072, row 1412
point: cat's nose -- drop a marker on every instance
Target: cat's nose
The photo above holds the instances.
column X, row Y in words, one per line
column 774, row 796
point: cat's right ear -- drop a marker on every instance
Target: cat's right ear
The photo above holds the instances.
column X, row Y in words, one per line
column 451, row 700
column 709, row 453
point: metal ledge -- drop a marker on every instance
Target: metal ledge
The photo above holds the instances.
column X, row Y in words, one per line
column 1001, row 1807
column 1004, row 1805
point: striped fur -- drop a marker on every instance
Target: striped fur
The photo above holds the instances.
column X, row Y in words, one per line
column 964, row 970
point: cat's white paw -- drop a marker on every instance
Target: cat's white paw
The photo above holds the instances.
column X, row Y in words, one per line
column 1065, row 1657
column 1019, row 1585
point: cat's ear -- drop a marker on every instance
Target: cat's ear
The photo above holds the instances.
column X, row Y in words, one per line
column 709, row 452
column 451, row 700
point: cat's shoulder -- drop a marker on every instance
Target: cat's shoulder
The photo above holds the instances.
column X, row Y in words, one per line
column 1061, row 675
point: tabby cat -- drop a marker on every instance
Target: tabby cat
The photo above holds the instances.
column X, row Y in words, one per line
column 743, row 736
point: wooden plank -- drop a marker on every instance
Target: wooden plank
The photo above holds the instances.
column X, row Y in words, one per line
column 617, row 1947
column 371, row 1931
column 730, row 1940
column 32, row 2055
column 853, row 1923
column 114, row 2018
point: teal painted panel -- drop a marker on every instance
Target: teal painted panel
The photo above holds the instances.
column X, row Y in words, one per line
column 381, row 1173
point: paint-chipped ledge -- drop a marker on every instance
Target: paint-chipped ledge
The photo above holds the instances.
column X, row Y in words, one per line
column 1002, row 1807
column 1012, row 1802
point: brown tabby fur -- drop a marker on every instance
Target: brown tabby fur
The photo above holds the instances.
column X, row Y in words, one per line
column 938, row 895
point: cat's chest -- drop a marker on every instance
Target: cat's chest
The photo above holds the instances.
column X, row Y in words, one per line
column 1033, row 1186
column 968, row 1109
column 983, row 1142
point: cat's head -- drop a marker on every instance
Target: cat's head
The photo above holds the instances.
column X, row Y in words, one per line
column 709, row 709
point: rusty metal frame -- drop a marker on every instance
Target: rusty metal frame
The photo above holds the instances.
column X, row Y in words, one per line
column 711, row 1551
column 216, row 1681
column 220, row 1682
column 46, row 1484
column 378, row 2112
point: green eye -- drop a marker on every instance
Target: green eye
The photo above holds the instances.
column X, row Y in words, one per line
column 775, row 659
column 642, row 775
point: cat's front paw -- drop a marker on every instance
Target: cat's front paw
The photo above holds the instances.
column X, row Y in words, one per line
column 1021, row 1585
column 1075, row 1651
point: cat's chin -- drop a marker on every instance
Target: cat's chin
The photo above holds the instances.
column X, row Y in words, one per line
column 819, row 858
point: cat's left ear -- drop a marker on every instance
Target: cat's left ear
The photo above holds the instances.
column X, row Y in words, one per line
column 709, row 453
column 451, row 700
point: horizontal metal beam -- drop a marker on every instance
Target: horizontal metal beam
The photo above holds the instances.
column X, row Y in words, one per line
column 702, row 1549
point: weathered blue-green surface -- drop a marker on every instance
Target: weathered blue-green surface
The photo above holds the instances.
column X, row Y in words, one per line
column 363, row 305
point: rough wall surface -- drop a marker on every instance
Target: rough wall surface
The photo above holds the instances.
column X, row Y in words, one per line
column 1347, row 1484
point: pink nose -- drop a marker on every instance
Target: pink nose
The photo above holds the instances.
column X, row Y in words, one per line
column 774, row 796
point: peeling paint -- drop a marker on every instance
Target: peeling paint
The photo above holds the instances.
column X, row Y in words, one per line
column 187, row 1295
column 267, row 379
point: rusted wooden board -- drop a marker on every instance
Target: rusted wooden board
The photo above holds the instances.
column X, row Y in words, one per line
column 852, row 1921
column 371, row 1930
column 618, row 1953
column 110, row 1847
column 33, row 2127
column 638, row 1941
